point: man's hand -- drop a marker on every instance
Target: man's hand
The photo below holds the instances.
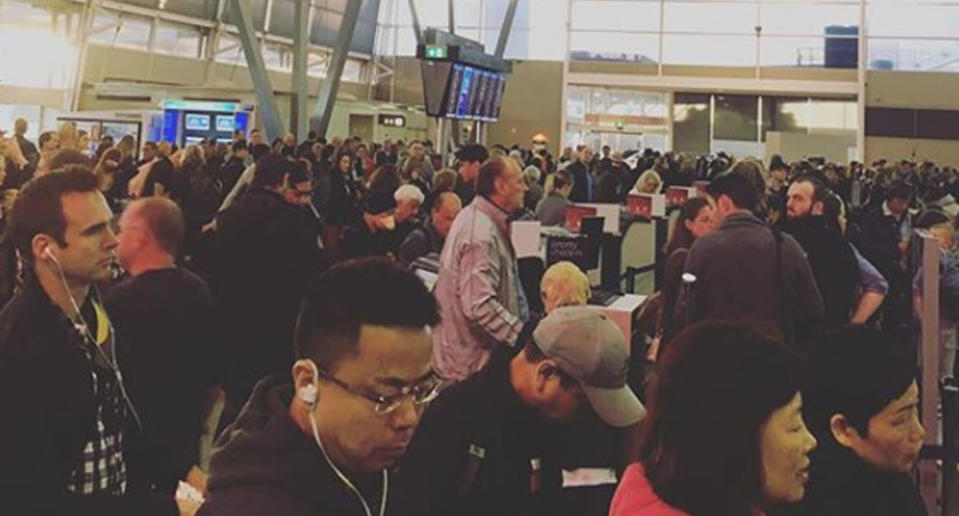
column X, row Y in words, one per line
column 197, row 478
column 188, row 507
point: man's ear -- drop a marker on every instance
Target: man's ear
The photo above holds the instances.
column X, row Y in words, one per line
column 545, row 371
column 817, row 208
column 843, row 431
column 39, row 245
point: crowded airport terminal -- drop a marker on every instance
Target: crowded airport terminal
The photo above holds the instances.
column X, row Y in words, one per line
column 479, row 257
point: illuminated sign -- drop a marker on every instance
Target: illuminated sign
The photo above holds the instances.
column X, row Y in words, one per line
column 436, row 52
column 393, row 120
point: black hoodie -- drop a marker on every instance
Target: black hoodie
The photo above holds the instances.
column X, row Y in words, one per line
column 840, row 484
column 266, row 465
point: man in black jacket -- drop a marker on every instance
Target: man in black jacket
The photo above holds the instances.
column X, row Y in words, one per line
column 485, row 446
column 320, row 443
column 582, row 182
column 266, row 253
column 65, row 450
column 429, row 238
column 234, row 167
column 745, row 269
column 861, row 404
column 469, row 159
column 830, row 257
column 165, row 317
column 885, row 239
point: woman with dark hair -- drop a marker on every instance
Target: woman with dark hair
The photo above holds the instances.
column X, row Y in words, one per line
column 724, row 435
column 106, row 172
column 696, row 218
column 342, row 208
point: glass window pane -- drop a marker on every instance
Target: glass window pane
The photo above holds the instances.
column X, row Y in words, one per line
column 614, row 46
column 711, row 17
column 229, row 50
column 722, row 50
column 833, row 115
column 467, row 12
column 616, row 15
column 176, row 39
column 736, row 118
column 691, row 123
column 784, row 51
column 917, row 20
column 806, row 20
column 914, row 55
column 134, row 32
column 786, row 114
column 576, row 104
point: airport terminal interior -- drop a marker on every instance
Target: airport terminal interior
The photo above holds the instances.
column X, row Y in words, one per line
column 479, row 257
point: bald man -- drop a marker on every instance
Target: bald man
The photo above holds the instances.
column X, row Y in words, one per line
column 166, row 330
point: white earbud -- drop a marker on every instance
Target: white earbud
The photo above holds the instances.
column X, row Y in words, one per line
column 308, row 394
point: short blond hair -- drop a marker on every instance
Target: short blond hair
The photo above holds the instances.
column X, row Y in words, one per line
column 564, row 284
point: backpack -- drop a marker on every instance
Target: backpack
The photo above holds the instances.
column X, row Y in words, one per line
column 204, row 198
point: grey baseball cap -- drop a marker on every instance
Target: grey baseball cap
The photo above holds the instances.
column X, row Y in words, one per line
column 590, row 348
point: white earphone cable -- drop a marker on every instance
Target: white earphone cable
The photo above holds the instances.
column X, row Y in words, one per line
column 82, row 326
column 344, row 479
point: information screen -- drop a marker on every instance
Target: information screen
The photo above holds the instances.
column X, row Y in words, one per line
column 197, row 122
column 474, row 94
column 225, row 123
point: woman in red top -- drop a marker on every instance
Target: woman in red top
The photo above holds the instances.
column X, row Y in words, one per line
column 724, row 435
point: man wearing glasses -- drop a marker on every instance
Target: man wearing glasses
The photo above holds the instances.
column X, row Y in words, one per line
column 320, row 443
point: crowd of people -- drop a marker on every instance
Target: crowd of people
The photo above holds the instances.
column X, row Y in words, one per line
column 261, row 295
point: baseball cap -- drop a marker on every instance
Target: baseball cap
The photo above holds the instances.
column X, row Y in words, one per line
column 589, row 347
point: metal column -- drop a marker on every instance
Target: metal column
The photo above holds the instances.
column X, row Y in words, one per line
column 266, row 102
column 507, row 28
column 452, row 17
column 323, row 112
column 299, row 118
column 417, row 31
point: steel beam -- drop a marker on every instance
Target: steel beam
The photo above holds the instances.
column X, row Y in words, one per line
column 452, row 16
column 506, row 29
column 266, row 102
column 320, row 122
column 417, row 31
column 299, row 121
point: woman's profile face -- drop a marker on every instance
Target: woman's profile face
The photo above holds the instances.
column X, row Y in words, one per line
column 345, row 163
column 704, row 222
column 784, row 446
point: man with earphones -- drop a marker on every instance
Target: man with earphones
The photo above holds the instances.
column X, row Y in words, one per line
column 63, row 450
column 321, row 441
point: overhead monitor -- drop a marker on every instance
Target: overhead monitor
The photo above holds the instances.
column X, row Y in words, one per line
column 463, row 92
column 197, row 122
column 225, row 123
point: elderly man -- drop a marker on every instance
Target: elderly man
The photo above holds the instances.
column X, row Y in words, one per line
column 418, row 153
column 429, row 238
column 482, row 303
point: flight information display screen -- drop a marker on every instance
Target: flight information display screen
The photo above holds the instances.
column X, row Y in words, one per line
column 474, row 94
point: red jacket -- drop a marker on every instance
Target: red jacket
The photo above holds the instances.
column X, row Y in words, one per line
column 635, row 496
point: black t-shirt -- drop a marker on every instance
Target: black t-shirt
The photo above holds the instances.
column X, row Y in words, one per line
column 166, row 333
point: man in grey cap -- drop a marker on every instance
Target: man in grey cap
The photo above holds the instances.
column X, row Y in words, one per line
column 485, row 446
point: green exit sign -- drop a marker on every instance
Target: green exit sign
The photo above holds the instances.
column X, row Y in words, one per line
column 436, row 52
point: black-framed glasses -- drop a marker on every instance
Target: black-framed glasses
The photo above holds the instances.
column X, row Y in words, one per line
column 420, row 394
